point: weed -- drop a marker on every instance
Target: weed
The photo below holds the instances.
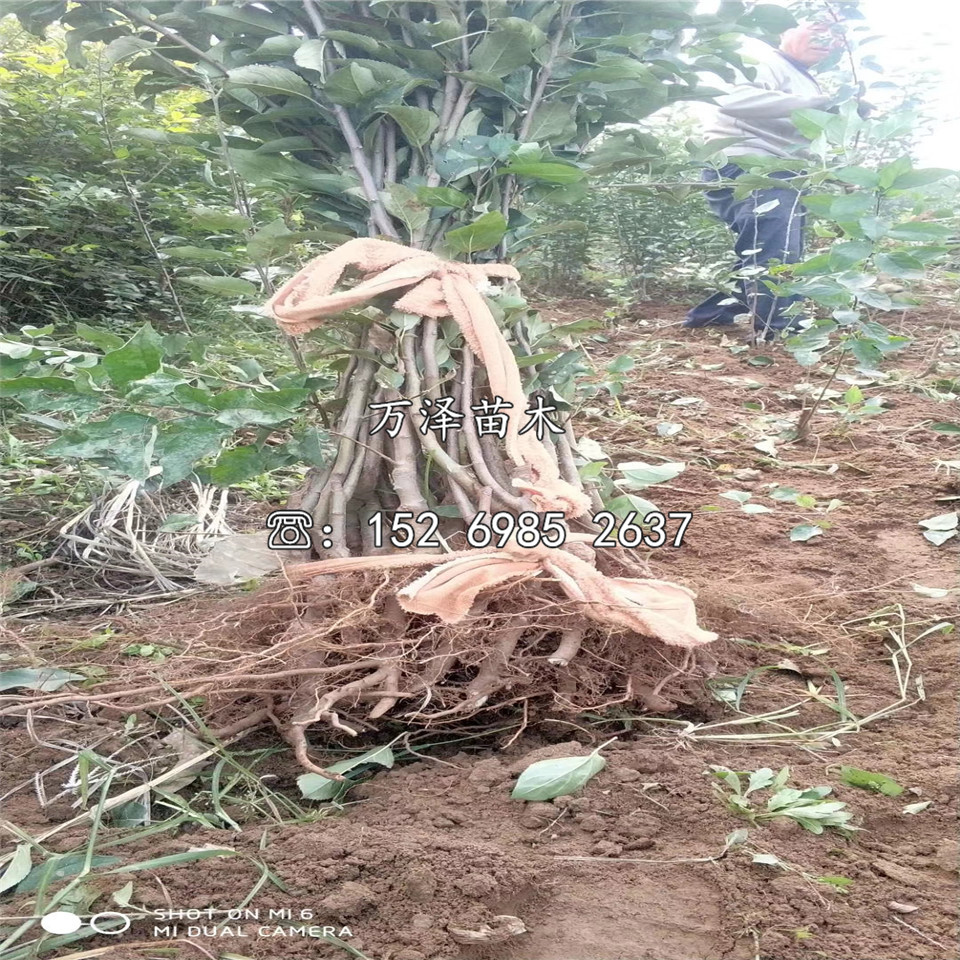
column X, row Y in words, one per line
column 807, row 807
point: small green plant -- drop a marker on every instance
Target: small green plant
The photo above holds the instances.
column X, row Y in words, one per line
column 807, row 807
column 853, row 408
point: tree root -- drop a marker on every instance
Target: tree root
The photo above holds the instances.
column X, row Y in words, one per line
column 340, row 655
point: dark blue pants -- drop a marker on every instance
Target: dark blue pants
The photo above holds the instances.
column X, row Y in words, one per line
column 774, row 234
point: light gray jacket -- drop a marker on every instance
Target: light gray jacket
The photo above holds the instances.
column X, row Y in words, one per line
column 758, row 111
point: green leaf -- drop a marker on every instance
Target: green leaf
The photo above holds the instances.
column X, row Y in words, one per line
column 17, row 869
column 18, row 385
column 839, row 883
column 442, row 197
column 200, row 254
column 919, row 230
column 240, row 463
column 223, row 286
column 952, row 428
column 861, row 176
column 805, row 531
column 124, row 441
column 485, row 232
column 44, row 679
column 402, row 202
column 505, row 49
column 558, row 173
column 361, row 79
column 639, row 475
column 874, row 227
column 417, row 125
column 854, row 395
column 181, row 443
column 851, row 207
column 920, row 178
column 900, row 264
column 268, row 80
column 759, row 779
column 278, row 47
column 561, row 777
column 176, row 522
column 811, row 123
column 621, row 507
column 843, row 256
column 175, row 859
column 867, row 780
column 271, row 241
column 315, row 787
column 348, row 37
column 212, row 218
column 103, row 339
column 140, row 356
column 771, row 18
column 243, row 19
column 553, row 122
column 124, row 47
column 59, row 868
column 485, row 80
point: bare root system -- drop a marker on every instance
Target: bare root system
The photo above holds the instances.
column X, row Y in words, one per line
column 338, row 653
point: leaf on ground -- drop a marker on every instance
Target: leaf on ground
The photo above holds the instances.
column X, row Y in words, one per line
column 915, row 808
column 313, row 786
column 186, row 747
column 787, row 494
column 838, row 883
column 589, row 448
column 935, row 593
column 869, row 780
column 44, row 679
column 640, row 475
column 939, row 537
column 560, row 777
column 236, row 559
column 59, row 868
column 945, row 427
column 122, row 896
column 945, row 521
column 804, row 531
column 18, row 867
column 768, row 446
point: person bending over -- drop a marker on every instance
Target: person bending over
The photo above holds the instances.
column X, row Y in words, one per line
column 757, row 112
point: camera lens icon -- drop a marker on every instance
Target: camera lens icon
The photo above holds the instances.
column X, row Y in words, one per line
column 63, row 922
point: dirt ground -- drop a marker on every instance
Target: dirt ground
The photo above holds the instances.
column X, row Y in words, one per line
column 634, row 866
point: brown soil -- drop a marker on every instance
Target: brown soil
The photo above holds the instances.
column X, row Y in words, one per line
column 613, row 873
